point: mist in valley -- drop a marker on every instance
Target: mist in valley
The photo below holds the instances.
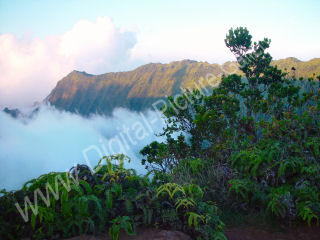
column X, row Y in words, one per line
column 53, row 140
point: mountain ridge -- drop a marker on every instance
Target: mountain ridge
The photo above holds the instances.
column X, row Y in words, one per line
column 137, row 89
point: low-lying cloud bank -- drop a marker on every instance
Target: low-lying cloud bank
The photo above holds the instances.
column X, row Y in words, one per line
column 54, row 141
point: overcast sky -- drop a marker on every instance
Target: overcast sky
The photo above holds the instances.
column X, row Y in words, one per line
column 42, row 41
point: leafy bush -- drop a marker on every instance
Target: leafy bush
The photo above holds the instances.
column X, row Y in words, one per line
column 110, row 197
column 253, row 142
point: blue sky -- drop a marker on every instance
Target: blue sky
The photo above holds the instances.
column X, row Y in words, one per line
column 44, row 40
column 296, row 22
column 55, row 17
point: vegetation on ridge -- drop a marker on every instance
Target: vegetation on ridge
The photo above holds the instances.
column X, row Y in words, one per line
column 253, row 144
column 138, row 89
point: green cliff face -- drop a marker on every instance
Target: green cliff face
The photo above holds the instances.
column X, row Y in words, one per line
column 138, row 89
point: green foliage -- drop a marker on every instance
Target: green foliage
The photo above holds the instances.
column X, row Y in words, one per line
column 239, row 41
column 118, row 223
column 170, row 189
column 111, row 197
column 194, row 218
column 241, row 186
column 253, row 144
column 306, row 213
column 199, row 218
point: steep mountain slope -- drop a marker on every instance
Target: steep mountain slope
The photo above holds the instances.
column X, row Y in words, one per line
column 303, row 69
column 138, row 89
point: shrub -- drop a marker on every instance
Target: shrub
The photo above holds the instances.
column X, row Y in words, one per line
column 110, row 197
column 256, row 137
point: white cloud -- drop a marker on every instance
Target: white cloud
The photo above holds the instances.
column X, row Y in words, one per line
column 30, row 68
column 55, row 141
column 97, row 47
column 188, row 42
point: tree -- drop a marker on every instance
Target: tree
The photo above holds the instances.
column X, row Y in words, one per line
column 263, row 129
